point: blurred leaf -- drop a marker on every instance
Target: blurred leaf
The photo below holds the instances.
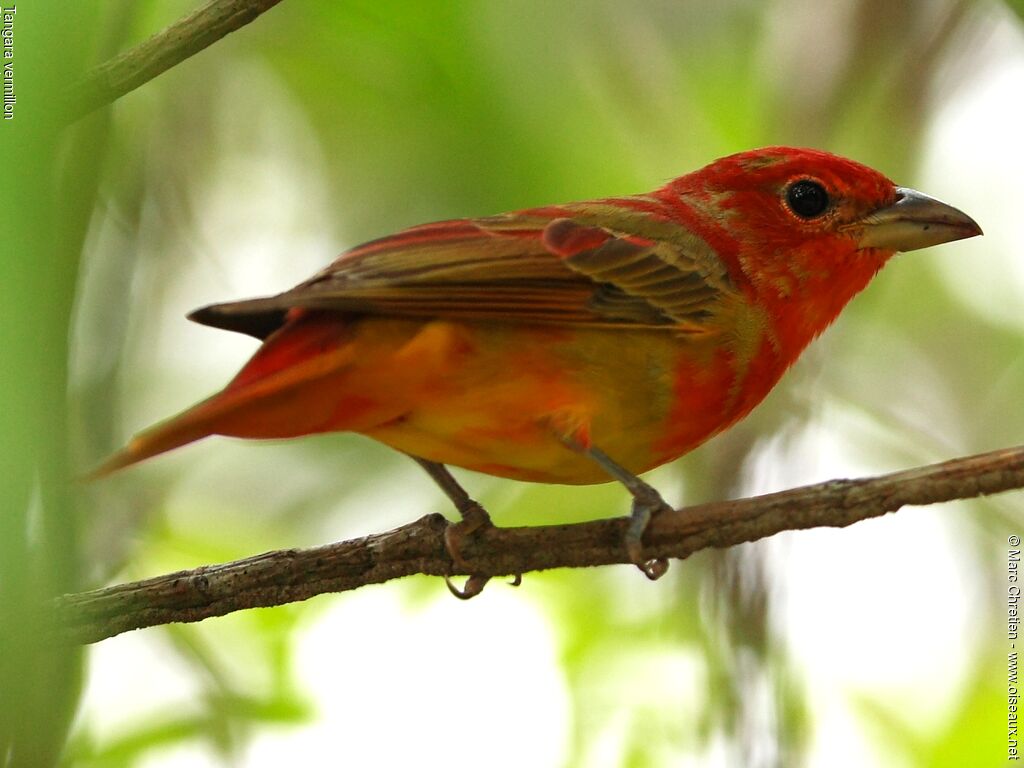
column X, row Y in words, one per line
column 974, row 734
column 46, row 199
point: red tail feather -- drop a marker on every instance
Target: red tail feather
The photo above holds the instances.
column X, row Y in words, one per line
column 306, row 350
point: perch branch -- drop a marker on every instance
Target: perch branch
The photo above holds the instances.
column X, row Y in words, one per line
column 111, row 80
column 286, row 576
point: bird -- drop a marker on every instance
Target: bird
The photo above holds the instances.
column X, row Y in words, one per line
column 578, row 343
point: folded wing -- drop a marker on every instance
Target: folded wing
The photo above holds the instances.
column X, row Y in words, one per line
column 551, row 266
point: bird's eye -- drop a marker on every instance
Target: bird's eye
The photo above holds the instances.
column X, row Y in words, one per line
column 807, row 199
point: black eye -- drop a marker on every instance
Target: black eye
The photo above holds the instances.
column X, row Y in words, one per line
column 807, row 199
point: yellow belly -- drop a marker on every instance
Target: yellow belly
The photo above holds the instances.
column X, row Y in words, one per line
column 504, row 400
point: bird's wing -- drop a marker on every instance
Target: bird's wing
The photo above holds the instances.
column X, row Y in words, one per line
column 552, row 266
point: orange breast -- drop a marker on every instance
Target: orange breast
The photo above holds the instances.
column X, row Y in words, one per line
column 502, row 399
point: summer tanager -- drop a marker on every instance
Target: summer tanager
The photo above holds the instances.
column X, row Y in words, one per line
column 572, row 343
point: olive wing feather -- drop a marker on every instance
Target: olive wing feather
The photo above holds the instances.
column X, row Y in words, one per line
column 531, row 267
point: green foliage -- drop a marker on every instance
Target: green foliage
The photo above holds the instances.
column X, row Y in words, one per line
column 973, row 733
column 45, row 200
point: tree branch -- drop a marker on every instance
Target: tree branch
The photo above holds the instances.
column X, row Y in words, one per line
column 285, row 576
column 111, row 80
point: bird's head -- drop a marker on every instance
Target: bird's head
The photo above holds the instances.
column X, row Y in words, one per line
column 801, row 219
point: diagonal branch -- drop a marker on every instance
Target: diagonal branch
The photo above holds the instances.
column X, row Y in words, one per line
column 111, row 80
column 286, row 576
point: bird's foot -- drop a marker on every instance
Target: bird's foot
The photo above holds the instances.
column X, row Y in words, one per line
column 474, row 518
column 647, row 503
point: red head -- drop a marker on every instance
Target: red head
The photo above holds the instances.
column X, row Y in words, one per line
column 804, row 230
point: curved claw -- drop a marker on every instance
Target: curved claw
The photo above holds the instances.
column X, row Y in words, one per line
column 473, row 587
column 654, row 569
column 516, row 580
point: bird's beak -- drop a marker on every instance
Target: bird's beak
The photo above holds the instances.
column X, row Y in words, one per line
column 913, row 221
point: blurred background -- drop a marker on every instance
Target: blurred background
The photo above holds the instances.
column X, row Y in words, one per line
column 322, row 125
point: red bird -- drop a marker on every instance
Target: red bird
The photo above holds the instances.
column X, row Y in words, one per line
column 572, row 343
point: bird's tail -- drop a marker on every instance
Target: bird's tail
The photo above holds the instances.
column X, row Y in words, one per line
column 194, row 424
column 277, row 394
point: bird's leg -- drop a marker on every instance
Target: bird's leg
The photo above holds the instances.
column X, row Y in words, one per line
column 474, row 517
column 647, row 502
